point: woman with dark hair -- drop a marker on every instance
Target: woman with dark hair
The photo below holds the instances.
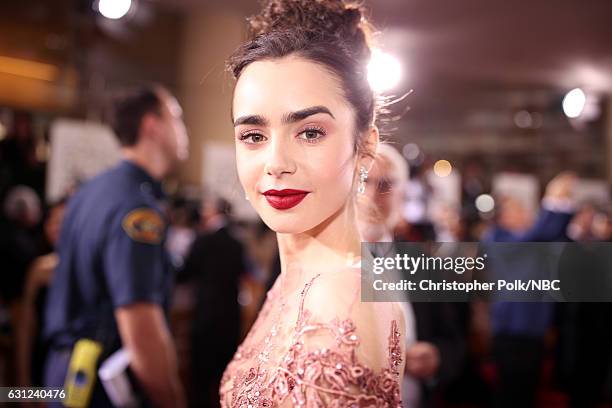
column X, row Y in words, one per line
column 305, row 133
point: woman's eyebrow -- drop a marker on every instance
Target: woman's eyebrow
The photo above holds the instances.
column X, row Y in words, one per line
column 288, row 118
column 256, row 120
column 297, row 116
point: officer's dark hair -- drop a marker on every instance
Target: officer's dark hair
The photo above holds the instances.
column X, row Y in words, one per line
column 130, row 107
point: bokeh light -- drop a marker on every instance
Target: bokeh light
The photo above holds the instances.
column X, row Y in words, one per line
column 442, row 168
column 523, row 119
column 411, row 151
column 485, row 203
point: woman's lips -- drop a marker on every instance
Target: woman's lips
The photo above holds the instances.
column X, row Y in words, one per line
column 284, row 199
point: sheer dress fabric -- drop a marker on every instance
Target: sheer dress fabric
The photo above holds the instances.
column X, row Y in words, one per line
column 327, row 349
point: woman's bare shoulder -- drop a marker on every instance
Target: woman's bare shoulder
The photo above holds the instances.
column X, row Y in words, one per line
column 337, row 298
column 340, row 291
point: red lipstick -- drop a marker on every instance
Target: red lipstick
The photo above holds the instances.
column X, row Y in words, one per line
column 284, row 199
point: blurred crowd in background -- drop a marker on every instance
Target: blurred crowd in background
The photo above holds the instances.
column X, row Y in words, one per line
column 225, row 265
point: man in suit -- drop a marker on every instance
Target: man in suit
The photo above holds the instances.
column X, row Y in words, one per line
column 215, row 264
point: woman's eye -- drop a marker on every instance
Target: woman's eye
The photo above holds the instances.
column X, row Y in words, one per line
column 311, row 135
column 252, row 138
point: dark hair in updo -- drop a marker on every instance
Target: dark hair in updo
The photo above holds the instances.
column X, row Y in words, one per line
column 329, row 32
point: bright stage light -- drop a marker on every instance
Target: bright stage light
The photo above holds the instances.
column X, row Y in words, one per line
column 114, row 9
column 573, row 103
column 384, row 71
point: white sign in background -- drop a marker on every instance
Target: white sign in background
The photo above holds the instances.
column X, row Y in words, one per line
column 79, row 151
column 221, row 177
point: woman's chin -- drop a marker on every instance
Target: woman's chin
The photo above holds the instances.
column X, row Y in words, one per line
column 285, row 227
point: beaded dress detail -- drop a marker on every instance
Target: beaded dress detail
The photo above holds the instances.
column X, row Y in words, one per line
column 317, row 367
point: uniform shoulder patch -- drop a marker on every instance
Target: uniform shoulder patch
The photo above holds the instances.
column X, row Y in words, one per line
column 144, row 225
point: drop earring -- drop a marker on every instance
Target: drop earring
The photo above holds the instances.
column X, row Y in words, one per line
column 363, row 176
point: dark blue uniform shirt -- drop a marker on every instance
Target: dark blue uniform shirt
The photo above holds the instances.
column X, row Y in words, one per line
column 111, row 252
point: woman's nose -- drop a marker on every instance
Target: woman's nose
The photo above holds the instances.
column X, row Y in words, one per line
column 280, row 159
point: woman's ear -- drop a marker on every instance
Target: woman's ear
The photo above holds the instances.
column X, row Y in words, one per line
column 370, row 146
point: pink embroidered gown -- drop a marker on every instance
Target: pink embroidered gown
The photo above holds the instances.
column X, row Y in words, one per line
column 321, row 348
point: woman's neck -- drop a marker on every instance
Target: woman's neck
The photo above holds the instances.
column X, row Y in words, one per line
column 332, row 245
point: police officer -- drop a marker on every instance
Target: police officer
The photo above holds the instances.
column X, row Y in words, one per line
column 113, row 280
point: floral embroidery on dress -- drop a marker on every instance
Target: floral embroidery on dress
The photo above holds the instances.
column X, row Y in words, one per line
column 327, row 376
